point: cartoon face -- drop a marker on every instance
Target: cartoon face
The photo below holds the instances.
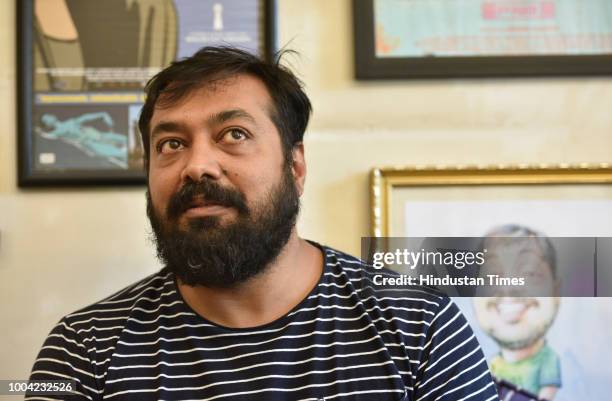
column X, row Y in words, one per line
column 513, row 319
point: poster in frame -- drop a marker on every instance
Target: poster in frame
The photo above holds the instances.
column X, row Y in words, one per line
column 81, row 70
column 396, row 39
column 554, row 201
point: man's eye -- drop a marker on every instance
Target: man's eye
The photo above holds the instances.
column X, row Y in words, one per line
column 169, row 146
column 234, row 135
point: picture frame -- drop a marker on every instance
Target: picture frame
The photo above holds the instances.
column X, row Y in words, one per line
column 430, row 188
column 401, row 40
column 81, row 70
column 557, row 202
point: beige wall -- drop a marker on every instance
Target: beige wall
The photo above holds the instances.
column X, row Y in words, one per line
column 63, row 249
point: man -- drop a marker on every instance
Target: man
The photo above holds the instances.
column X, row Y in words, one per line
column 519, row 324
column 244, row 308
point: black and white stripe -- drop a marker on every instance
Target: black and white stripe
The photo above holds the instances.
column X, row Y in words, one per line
column 346, row 340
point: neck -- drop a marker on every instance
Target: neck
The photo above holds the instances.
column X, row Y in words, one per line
column 523, row 353
column 266, row 297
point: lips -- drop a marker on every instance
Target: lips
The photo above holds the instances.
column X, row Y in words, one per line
column 201, row 207
column 201, row 202
column 512, row 310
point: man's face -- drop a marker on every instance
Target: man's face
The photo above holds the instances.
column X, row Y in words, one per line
column 222, row 201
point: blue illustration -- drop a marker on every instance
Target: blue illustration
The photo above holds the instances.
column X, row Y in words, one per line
column 82, row 132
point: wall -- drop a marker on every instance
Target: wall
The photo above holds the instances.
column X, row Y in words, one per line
column 63, row 249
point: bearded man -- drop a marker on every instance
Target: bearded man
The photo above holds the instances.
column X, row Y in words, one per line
column 245, row 309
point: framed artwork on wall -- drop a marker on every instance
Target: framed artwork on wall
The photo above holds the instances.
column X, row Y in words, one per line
column 82, row 67
column 481, row 38
column 548, row 347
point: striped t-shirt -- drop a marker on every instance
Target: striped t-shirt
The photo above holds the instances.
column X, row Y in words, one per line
column 347, row 340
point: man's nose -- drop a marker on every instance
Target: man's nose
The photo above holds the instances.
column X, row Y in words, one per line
column 202, row 161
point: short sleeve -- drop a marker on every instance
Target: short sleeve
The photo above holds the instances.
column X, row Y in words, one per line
column 452, row 366
column 550, row 372
column 64, row 356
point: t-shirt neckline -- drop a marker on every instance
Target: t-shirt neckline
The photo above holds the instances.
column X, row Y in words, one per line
column 281, row 321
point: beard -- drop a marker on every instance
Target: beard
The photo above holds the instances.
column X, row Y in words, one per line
column 522, row 330
column 216, row 255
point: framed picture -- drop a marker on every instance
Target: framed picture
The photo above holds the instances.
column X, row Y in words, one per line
column 82, row 67
column 481, row 38
column 537, row 348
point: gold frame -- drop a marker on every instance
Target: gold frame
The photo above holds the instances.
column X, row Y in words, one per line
column 383, row 180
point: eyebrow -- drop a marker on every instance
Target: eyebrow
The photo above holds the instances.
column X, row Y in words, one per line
column 227, row 115
column 167, row 126
column 215, row 119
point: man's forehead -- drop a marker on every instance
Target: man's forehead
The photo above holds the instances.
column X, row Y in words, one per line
column 243, row 93
column 241, row 86
column 237, row 98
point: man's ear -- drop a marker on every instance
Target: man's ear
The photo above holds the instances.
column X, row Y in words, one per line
column 298, row 167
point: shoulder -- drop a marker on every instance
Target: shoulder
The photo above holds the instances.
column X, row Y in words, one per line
column 547, row 352
column 150, row 292
column 439, row 349
column 377, row 282
column 408, row 301
column 82, row 344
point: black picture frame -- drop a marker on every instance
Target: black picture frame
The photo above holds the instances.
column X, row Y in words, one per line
column 368, row 66
column 105, row 168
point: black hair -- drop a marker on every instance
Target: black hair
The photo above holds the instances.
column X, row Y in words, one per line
column 291, row 107
column 519, row 231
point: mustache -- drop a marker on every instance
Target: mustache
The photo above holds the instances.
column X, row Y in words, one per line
column 211, row 192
